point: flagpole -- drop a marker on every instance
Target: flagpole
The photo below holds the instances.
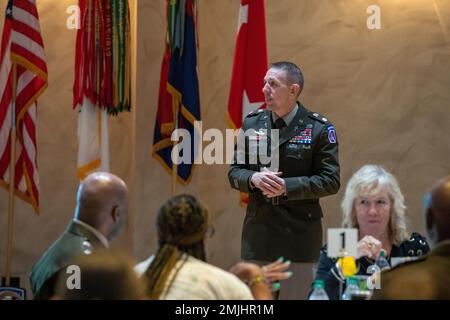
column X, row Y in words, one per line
column 175, row 158
column 174, row 173
column 12, row 167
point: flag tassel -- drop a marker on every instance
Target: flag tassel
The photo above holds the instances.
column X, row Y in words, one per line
column 12, row 171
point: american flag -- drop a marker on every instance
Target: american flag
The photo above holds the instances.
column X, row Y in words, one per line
column 21, row 45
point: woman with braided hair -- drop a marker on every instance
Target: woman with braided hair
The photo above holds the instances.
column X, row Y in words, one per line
column 178, row 269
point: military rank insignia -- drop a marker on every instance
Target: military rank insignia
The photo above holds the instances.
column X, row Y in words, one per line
column 86, row 247
column 259, row 135
column 331, row 134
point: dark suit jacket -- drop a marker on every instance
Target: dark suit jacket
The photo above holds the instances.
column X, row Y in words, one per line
column 308, row 153
column 74, row 241
column 426, row 279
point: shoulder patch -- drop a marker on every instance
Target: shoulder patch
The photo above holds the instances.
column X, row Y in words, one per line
column 331, row 134
column 255, row 112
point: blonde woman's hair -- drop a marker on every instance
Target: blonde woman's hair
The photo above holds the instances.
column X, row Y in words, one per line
column 370, row 180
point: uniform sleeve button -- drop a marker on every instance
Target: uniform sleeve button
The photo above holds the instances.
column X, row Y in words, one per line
column 309, row 215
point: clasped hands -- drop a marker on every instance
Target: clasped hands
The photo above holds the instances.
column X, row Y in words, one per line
column 370, row 247
column 269, row 183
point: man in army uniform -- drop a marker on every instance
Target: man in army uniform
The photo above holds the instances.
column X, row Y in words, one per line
column 283, row 217
column 427, row 278
column 100, row 214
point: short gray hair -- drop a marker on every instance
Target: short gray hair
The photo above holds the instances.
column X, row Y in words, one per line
column 369, row 180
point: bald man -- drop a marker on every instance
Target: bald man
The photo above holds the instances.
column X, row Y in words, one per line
column 100, row 214
column 429, row 277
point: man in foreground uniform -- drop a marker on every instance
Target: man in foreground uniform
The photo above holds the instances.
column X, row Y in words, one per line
column 427, row 278
column 100, row 214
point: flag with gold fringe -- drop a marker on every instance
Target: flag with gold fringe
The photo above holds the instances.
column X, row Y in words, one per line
column 102, row 77
column 178, row 101
column 23, row 47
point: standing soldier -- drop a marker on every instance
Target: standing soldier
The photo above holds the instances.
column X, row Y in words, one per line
column 284, row 215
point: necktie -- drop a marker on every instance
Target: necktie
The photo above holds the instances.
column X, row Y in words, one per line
column 279, row 124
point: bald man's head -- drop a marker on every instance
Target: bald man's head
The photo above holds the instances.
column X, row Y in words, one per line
column 102, row 203
column 437, row 206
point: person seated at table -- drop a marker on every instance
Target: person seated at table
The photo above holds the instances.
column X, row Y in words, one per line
column 374, row 204
column 179, row 271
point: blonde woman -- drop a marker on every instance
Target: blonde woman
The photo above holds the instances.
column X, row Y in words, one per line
column 374, row 204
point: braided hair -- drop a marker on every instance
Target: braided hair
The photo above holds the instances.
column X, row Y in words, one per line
column 182, row 223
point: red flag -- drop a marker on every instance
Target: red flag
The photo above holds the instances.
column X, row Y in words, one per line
column 22, row 45
column 250, row 62
column 249, row 66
